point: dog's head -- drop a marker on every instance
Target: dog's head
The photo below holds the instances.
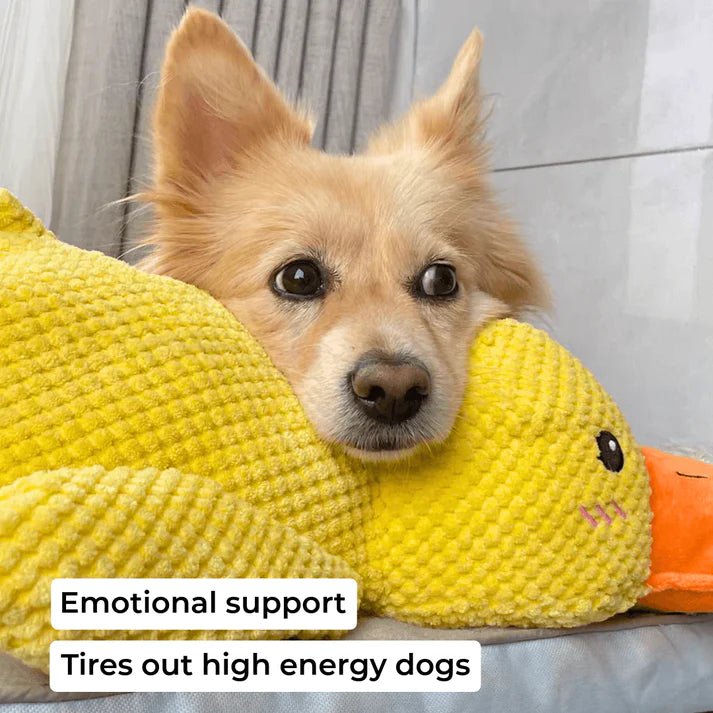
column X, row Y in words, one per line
column 364, row 277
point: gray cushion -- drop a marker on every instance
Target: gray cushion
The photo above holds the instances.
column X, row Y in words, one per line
column 19, row 683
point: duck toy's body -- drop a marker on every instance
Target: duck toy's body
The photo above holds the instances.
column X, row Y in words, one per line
column 144, row 433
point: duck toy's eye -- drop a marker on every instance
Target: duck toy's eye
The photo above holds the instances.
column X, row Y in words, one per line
column 610, row 452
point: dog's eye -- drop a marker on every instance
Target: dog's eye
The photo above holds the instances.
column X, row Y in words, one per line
column 438, row 280
column 610, row 452
column 301, row 279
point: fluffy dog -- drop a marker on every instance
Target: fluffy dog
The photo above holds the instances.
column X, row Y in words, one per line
column 365, row 277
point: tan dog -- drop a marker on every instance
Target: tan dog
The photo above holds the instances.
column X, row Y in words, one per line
column 364, row 277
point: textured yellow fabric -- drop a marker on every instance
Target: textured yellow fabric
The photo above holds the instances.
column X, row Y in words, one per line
column 143, row 432
column 489, row 529
column 89, row 522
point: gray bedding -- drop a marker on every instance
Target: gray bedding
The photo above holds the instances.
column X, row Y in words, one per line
column 633, row 662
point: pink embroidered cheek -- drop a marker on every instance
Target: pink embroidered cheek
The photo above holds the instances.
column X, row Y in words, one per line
column 587, row 516
column 602, row 514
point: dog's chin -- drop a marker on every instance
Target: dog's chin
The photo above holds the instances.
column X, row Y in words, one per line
column 389, row 446
column 368, row 440
column 381, row 454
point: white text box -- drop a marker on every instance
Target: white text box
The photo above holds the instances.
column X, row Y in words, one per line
column 204, row 604
column 260, row 666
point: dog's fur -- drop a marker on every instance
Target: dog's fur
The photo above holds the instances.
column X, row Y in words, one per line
column 239, row 193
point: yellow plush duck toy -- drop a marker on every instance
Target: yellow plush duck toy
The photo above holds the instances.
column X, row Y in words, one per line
column 144, row 433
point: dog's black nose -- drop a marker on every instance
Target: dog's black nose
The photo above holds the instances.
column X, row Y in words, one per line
column 390, row 390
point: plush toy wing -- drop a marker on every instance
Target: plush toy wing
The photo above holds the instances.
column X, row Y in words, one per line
column 90, row 522
column 682, row 554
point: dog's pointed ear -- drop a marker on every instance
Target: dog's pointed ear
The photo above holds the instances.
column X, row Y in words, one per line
column 448, row 126
column 451, row 118
column 214, row 104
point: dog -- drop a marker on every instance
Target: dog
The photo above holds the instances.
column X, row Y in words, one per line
column 365, row 277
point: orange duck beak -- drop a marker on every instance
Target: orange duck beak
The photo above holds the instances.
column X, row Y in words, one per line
column 681, row 576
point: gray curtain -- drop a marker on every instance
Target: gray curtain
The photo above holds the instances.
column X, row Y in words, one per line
column 336, row 56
